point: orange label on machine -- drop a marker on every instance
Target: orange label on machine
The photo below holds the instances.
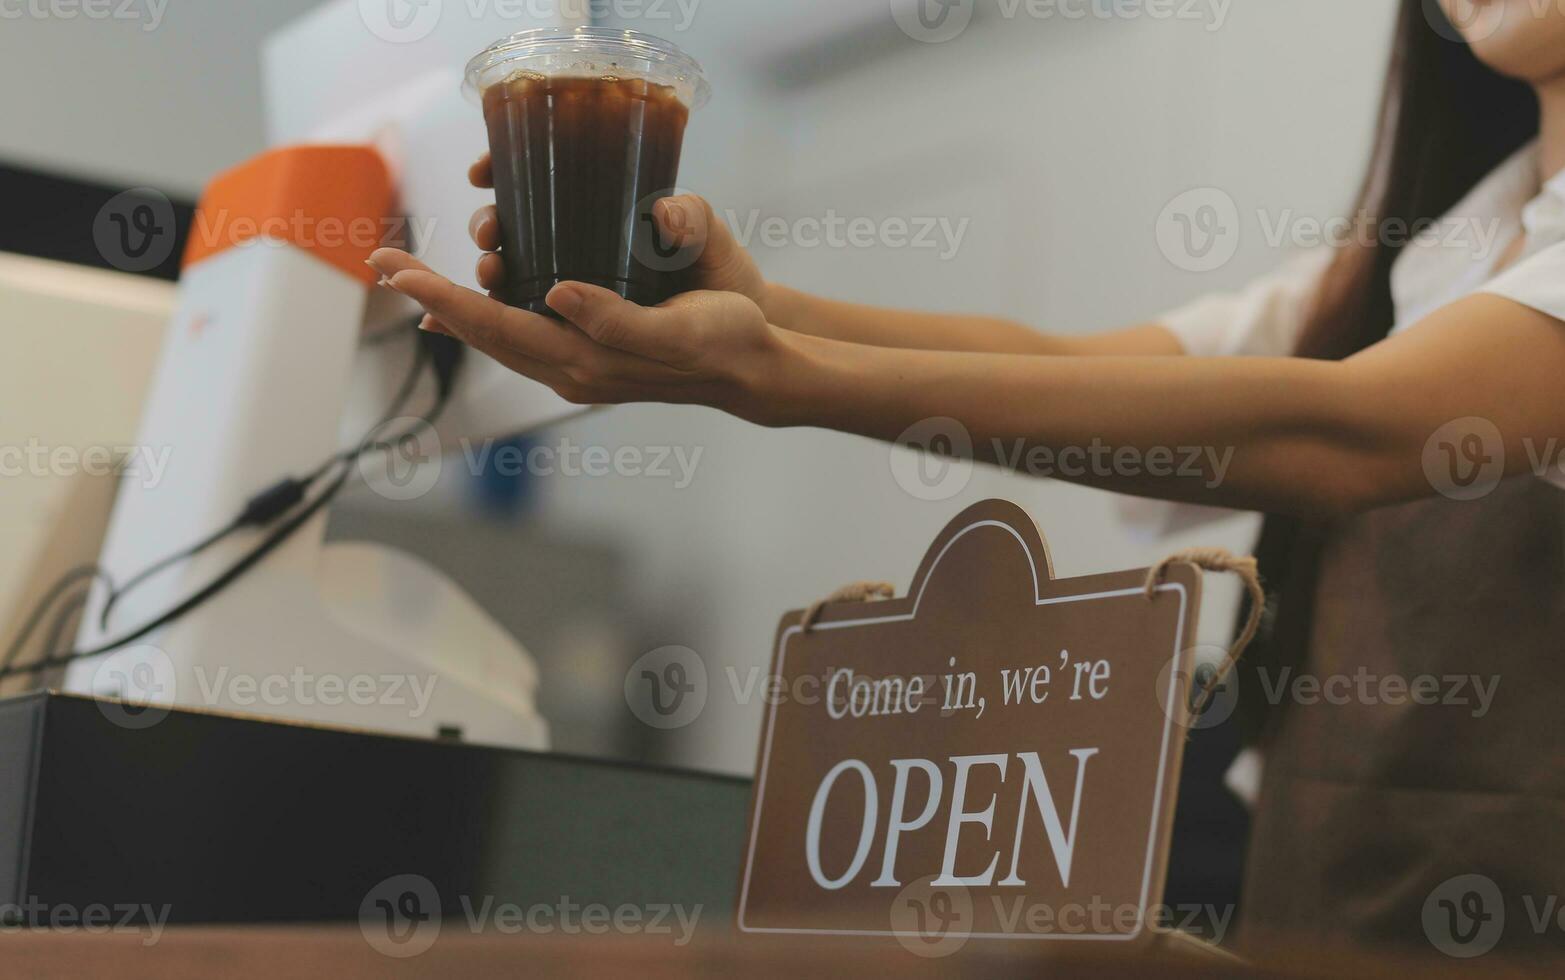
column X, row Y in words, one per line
column 333, row 202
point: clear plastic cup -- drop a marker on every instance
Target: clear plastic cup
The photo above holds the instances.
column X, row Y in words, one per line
column 586, row 126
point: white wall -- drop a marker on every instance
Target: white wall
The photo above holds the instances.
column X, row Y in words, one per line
column 164, row 99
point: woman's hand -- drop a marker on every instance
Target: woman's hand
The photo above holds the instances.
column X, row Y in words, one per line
column 708, row 348
column 685, row 222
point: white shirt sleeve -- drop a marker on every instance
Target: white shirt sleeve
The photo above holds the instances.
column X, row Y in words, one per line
column 1537, row 282
column 1264, row 319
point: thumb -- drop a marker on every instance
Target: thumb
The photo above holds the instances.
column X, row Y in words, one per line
column 687, row 222
column 613, row 321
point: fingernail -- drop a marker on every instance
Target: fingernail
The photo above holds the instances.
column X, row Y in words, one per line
column 565, row 300
column 387, row 283
column 427, row 323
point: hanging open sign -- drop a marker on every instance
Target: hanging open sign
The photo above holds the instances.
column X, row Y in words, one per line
column 994, row 756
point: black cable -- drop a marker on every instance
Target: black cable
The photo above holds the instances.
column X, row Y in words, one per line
column 56, row 592
column 276, row 500
column 174, row 559
column 57, row 637
column 210, row 590
column 446, row 356
column 222, row 582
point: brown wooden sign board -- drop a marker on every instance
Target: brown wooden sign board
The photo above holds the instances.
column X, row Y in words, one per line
column 994, row 756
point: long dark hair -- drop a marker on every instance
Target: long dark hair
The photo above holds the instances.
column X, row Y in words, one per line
column 1446, row 120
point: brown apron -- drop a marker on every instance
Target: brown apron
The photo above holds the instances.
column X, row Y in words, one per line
column 1369, row 808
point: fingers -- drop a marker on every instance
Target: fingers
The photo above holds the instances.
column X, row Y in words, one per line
column 614, row 321
column 491, row 272
column 567, row 358
column 685, row 221
column 484, row 228
column 481, row 174
column 479, row 321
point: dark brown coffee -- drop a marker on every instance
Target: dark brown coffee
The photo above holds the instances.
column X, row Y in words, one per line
column 578, row 164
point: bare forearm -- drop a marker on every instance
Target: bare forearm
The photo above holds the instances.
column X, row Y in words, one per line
column 881, row 327
column 1283, row 435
